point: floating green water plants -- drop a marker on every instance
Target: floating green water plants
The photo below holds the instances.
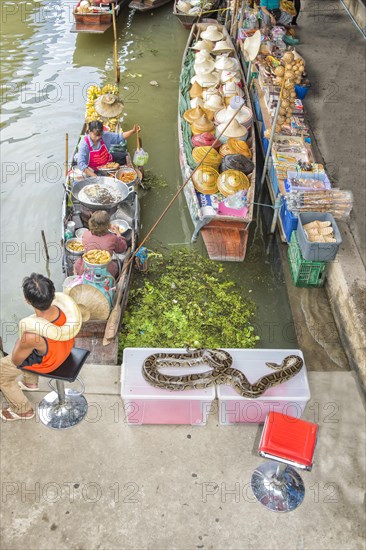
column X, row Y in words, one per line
column 184, row 301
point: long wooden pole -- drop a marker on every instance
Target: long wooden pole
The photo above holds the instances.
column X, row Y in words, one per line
column 177, row 193
column 66, row 154
column 115, row 50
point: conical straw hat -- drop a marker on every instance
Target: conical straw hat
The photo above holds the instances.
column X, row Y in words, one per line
column 234, row 130
column 196, row 90
column 244, row 116
column 92, row 300
column 196, row 102
column 203, row 124
column 108, row 105
column 212, row 33
column 195, row 114
column 214, row 103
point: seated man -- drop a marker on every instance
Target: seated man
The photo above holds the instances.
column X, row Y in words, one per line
column 272, row 14
column 32, row 350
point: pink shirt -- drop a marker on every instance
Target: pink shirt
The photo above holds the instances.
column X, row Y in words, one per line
column 110, row 242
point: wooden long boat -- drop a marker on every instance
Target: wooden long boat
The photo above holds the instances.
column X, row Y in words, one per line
column 147, row 5
column 99, row 19
column 188, row 20
column 225, row 236
column 92, row 332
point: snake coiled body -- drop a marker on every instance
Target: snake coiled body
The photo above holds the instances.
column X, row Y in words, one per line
column 221, row 372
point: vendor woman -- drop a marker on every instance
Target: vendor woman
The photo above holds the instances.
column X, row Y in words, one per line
column 272, row 14
column 102, row 235
column 94, row 148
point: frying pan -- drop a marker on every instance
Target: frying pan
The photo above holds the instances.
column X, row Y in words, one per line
column 121, row 187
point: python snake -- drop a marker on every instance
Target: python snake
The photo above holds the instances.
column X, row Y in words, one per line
column 221, row 372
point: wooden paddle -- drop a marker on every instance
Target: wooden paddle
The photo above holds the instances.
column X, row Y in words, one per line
column 114, row 317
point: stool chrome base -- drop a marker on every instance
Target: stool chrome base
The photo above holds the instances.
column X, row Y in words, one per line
column 279, row 493
column 61, row 416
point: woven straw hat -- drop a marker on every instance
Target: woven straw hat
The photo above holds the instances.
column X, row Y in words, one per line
column 92, row 300
column 212, row 33
column 195, row 114
column 214, row 103
column 232, row 181
column 251, row 46
column 203, row 45
column 196, row 90
column 108, row 105
column 196, row 102
column 205, row 180
column 202, row 56
column 222, row 46
column 205, row 67
column 203, row 124
column 206, row 80
column 184, row 7
column 224, row 63
column 244, row 116
column 230, row 76
column 234, row 130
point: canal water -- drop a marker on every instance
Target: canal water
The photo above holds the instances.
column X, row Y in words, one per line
column 46, row 72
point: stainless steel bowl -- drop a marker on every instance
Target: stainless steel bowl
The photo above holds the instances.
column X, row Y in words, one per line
column 74, row 252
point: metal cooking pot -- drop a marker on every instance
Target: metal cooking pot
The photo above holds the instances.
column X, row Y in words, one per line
column 121, row 187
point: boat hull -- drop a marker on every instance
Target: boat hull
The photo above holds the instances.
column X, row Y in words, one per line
column 148, row 5
column 225, row 236
column 96, row 23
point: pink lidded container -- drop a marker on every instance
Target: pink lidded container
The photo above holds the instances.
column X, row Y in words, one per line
column 147, row 404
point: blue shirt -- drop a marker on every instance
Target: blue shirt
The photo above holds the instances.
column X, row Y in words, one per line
column 109, row 138
column 270, row 4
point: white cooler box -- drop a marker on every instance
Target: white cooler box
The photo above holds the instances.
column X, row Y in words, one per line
column 146, row 404
column 288, row 398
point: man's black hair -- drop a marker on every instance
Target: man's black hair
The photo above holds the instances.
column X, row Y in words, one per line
column 38, row 291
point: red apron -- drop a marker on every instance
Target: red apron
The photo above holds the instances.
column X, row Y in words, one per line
column 100, row 157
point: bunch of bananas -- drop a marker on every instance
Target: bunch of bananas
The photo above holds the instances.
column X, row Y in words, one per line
column 110, row 89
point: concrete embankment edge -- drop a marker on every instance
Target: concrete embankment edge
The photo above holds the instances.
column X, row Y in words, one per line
column 346, row 289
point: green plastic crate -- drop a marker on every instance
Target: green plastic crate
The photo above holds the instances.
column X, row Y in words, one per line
column 304, row 273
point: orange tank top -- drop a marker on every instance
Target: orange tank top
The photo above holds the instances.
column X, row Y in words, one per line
column 55, row 355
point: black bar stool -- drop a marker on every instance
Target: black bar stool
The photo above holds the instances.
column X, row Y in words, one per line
column 64, row 408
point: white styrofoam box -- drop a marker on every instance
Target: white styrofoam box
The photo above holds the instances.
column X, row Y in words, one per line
column 288, row 398
column 146, row 404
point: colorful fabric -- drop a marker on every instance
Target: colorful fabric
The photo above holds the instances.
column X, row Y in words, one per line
column 270, row 4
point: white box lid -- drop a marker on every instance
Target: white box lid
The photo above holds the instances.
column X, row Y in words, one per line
column 134, row 385
column 252, row 362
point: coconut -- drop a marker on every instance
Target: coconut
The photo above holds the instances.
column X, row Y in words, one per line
column 288, row 57
column 279, row 71
column 288, row 120
column 281, row 119
column 278, row 81
column 289, row 74
column 293, row 94
column 289, row 84
column 285, row 104
column 278, row 128
column 282, row 111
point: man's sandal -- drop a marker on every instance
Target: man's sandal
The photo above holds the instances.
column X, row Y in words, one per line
column 24, row 386
column 11, row 416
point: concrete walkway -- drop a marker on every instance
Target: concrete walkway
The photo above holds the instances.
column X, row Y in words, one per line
column 105, row 485
column 334, row 50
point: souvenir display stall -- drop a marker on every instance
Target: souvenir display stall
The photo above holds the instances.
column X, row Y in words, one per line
column 298, row 184
column 216, row 142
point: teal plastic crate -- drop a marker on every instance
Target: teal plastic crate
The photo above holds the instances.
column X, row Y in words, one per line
column 304, row 273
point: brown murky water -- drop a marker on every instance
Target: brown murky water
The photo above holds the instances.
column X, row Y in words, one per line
column 46, row 72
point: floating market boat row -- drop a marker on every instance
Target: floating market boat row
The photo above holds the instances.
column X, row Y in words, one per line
column 212, row 85
column 101, row 297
